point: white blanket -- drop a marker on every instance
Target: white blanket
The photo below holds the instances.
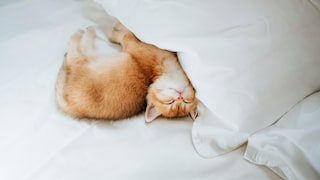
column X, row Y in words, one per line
column 291, row 147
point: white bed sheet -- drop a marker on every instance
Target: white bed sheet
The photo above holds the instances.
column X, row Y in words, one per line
column 39, row 142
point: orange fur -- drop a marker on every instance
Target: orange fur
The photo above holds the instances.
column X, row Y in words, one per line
column 116, row 87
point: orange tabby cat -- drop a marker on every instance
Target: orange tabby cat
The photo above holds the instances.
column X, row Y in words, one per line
column 120, row 86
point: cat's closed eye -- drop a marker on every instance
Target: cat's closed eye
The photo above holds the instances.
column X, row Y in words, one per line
column 187, row 101
column 172, row 101
column 169, row 102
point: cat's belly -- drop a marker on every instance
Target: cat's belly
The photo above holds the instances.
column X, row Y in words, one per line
column 107, row 93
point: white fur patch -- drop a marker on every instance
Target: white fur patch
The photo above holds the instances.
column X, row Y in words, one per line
column 106, row 63
column 172, row 80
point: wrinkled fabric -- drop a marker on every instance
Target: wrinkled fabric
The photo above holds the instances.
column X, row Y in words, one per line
column 291, row 147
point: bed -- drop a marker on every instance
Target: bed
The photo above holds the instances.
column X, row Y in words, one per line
column 255, row 65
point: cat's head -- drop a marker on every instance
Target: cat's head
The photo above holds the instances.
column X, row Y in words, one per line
column 171, row 100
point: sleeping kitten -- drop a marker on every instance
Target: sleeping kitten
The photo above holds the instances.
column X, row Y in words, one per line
column 120, row 86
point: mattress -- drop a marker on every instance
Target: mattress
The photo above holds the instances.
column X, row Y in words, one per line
column 255, row 65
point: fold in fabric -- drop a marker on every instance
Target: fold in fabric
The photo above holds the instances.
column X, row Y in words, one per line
column 291, row 146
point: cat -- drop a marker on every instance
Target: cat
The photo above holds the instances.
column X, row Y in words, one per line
column 141, row 77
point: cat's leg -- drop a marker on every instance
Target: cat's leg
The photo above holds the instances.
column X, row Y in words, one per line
column 72, row 55
column 73, row 52
column 131, row 44
column 123, row 36
column 87, row 46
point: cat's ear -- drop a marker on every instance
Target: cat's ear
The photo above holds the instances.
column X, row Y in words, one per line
column 194, row 113
column 151, row 113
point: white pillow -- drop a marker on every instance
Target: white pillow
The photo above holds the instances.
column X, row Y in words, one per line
column 291, row 147
column 250, row 61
